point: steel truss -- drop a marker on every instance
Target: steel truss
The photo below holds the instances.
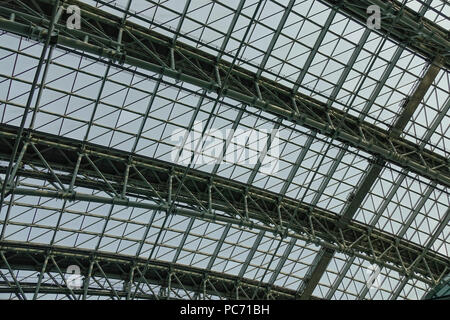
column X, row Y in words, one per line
column 60, row 160
column 402, row 24
column 155, row 52
column 116, row 276
column 134, row 181
column 326, row 255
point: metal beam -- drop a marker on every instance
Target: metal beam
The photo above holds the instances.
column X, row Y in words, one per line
column 313, row 271
column 31, row 257
column 320, row 264
column 50, row 289
column 309, row 224
column 275, row 98
column 401, row 24
column 416, row 98
column 47, row 44
column 251, row 254
column 377, row 165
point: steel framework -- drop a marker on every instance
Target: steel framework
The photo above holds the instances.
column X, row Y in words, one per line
column 355, row 145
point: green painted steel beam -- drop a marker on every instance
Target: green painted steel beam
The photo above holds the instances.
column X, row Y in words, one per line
column 320, row 265
column 30, row 257
column 149, row 50
column 356, row 199
column 228, row 202
column 402, row 25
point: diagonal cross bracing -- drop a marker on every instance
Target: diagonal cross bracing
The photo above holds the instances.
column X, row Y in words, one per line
column 117, row 267
column 151, row 52
column 148, row 183
column 365, row 185
column 401, row 24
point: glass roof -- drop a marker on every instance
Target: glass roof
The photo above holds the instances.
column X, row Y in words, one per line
column 305, row 45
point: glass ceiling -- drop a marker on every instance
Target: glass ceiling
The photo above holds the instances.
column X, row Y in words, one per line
column 305, row 45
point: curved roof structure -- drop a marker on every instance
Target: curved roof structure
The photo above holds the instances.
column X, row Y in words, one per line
column 271, row 149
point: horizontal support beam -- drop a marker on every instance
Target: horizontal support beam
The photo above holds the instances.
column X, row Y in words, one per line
column 150, row 51
column 298, row 219
column 31, row 257
column 30, row 288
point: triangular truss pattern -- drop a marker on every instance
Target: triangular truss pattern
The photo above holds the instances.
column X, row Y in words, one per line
column 223, row 149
